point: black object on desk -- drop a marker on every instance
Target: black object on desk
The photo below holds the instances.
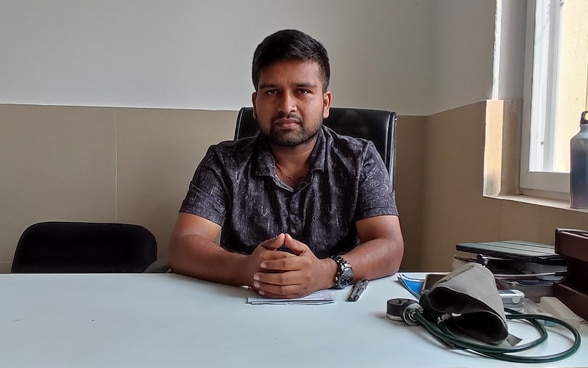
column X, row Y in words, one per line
column 515, row 250
column 529, row 267
column 357, row 290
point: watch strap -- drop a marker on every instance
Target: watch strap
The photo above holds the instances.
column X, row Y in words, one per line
column 344, row 274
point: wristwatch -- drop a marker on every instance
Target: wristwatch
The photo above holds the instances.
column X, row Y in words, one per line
column 344, row 275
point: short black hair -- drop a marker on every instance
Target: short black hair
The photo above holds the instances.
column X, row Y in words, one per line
column 290, row 44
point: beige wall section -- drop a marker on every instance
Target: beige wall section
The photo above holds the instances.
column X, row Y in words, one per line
column 56, row 163
column 409, row 179
column 455, row 209
column 157, row 153
column 99, row 164
column 134, row 165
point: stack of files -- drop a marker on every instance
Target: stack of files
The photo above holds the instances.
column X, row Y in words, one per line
column 532, row 268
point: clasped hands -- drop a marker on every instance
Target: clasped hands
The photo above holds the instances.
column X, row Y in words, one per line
column 280, row 274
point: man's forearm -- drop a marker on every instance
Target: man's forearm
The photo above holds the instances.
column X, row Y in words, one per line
column 195, row 256
column 375, row 258
column 381, row 249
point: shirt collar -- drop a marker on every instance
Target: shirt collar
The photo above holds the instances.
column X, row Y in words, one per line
column 265, row 163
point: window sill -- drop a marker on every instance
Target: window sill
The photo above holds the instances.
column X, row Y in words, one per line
column 537, row 201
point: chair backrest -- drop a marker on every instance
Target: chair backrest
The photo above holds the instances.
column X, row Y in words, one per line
column 378, row 126
column 81, row 247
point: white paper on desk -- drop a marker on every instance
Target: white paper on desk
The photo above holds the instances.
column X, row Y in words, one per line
column 318, row 297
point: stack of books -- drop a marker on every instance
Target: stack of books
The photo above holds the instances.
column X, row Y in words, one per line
column 532, row 268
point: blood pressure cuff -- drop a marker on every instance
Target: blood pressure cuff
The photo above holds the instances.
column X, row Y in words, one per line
column 468, row 302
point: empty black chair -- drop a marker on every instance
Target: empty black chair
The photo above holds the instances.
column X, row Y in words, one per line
column 81, row 247
column 378, row 126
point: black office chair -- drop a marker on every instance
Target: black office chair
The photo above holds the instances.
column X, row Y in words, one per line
column 81, row 247
column 378, row 126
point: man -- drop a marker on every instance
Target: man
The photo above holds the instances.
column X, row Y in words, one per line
column 299, row 207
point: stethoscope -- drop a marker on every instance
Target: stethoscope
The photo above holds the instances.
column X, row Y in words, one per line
column 413, row 314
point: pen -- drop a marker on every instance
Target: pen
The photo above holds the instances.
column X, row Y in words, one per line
column 357, row 290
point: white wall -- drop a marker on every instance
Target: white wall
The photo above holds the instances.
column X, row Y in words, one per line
column 463, row 49
column 416, row 57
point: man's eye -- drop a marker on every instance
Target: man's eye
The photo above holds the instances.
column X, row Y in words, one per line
column 304, row 91
column 271, row 92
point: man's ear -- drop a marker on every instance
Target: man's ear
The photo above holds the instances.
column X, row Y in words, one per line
column 327, row 96
column 253, row 97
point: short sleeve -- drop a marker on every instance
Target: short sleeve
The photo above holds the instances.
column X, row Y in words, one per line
column 376, row 195
column 206, row 195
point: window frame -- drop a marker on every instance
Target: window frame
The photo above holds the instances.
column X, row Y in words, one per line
column 540, row 104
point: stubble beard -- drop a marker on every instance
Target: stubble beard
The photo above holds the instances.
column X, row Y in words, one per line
column 293, row 137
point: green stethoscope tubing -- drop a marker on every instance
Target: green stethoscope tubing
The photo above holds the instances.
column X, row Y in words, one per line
column 442, row 333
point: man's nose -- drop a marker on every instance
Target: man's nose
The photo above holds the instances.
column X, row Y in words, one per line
column 287, row 103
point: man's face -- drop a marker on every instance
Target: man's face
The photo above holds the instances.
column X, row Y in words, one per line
column 289, row 103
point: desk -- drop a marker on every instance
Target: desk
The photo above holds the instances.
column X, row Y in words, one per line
column 168, row 320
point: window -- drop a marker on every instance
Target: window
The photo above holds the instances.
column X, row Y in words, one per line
column 556, row 93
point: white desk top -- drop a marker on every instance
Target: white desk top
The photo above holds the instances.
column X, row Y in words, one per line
column 167, row 320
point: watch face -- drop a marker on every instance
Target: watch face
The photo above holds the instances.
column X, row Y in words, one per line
column 346, row 277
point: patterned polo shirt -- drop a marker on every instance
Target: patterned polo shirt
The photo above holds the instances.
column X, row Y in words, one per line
column 236, row 186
